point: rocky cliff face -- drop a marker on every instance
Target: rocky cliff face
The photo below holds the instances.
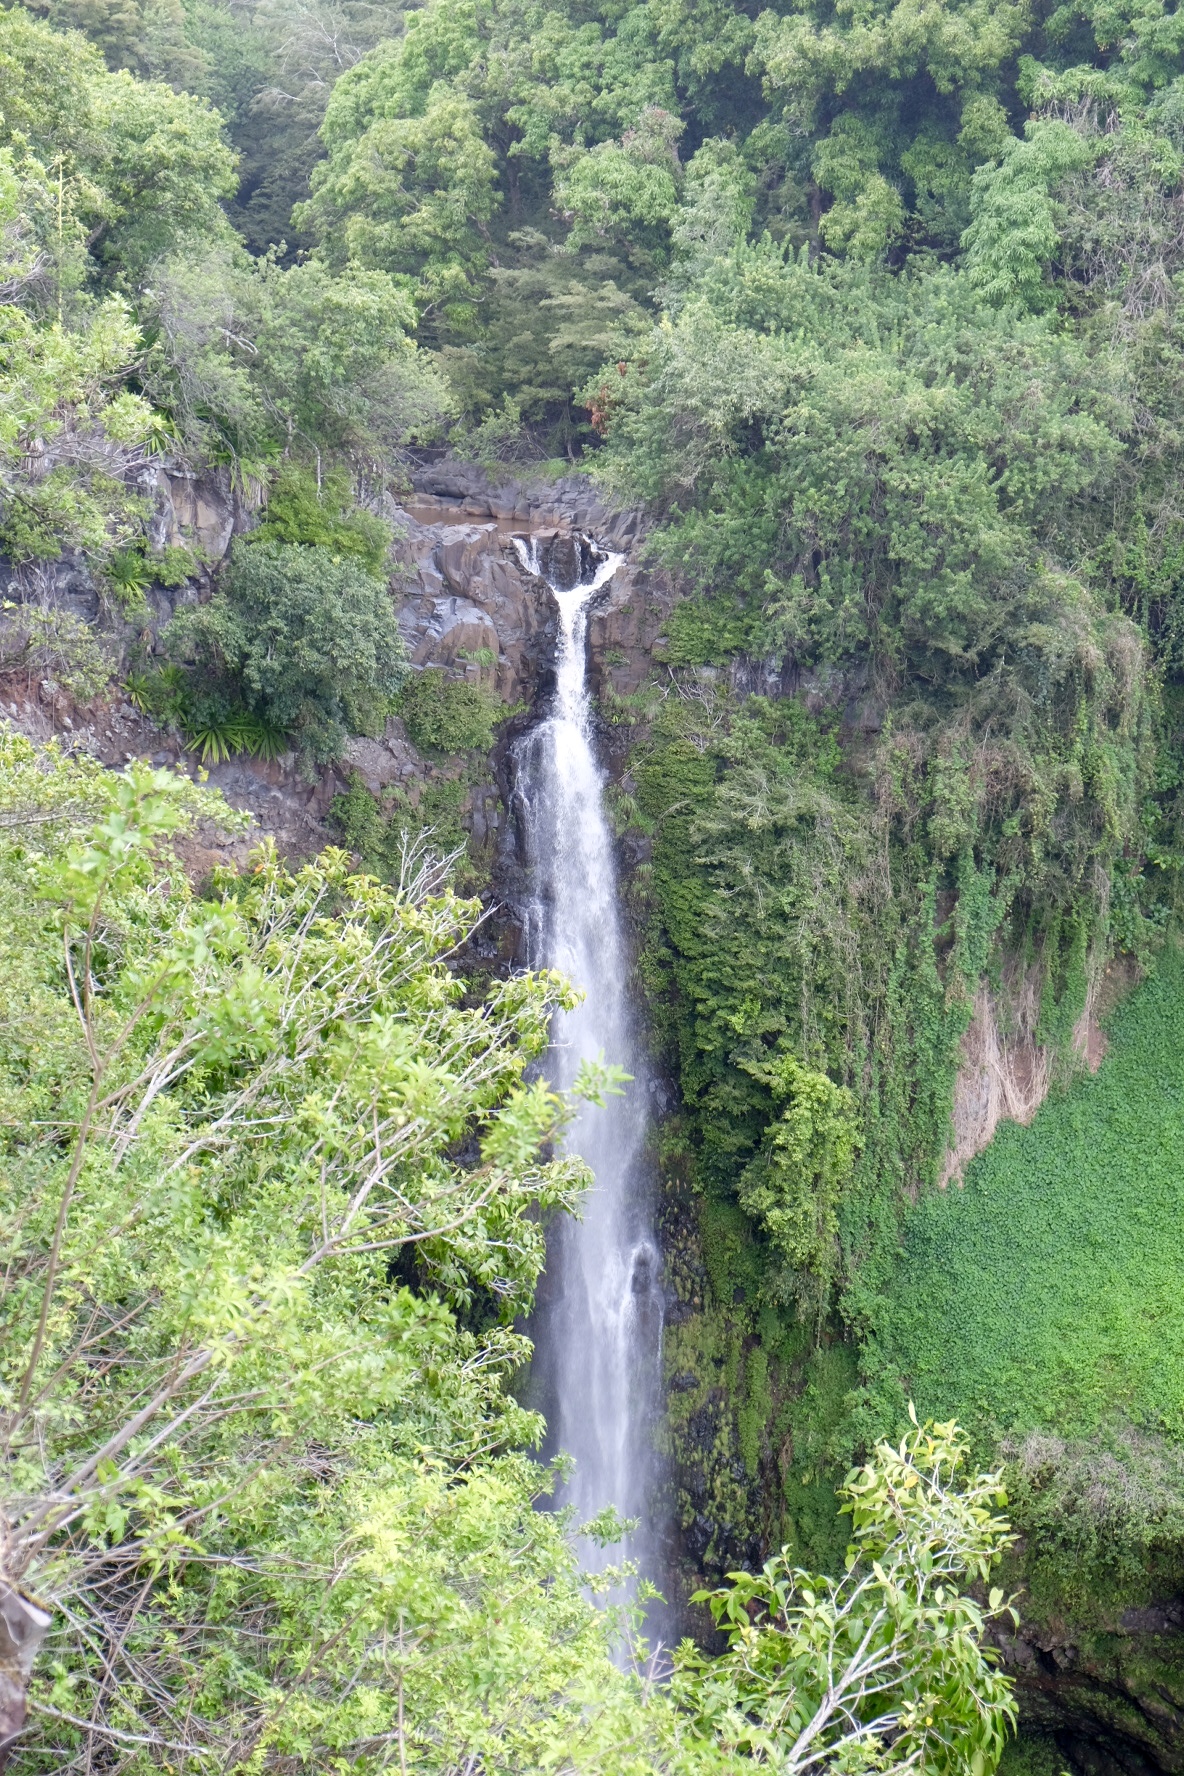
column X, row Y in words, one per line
column 468, row 591
column 470, row 607
column 467, row 605
column 1110, row 1700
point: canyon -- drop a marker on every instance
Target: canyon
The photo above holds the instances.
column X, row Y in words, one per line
column 483, row 572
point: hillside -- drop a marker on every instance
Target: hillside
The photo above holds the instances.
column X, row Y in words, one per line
column 1045, row 1293
column 704, row 477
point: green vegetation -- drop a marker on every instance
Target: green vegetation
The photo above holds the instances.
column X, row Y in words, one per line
column 134, row 325
column 1031, row 1756
column 1046, row 1294
column 379, row 829
column 877, row 313
column 305, row 641
column 300, row 644
column 444, row 716
column 159, row 1521
column 451, row 722
column 850, row 451
column 262, row 1463
column 852, row 1638
column 324, row 517
column 1040, row 1303
column 40, row 639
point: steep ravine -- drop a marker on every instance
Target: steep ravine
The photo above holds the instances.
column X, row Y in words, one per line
column 1105, row 1698
column 1113, row 1696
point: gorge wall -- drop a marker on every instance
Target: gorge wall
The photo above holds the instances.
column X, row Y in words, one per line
column 753, row 1399
column 467, row 607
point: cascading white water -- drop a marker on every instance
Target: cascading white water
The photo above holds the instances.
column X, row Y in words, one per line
column 599, row 1325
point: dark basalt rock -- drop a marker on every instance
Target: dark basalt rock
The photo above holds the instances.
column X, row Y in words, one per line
column 1112, row 1700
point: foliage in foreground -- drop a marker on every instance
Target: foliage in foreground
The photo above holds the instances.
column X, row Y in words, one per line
column 883, row 1667
column 271, row 1204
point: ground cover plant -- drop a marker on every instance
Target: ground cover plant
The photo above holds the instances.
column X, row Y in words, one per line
column 1046, row 1292
column 1040, row 1302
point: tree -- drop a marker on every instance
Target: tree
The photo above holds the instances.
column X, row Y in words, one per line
column 269, row 1490
column 871, row 496
column 203, row 354
column 867, row 215
column 304, row 639
column 405, row 192
column 142, row 167
column 163, row 169
column 71, row 438
column 883, row 1668
column 718, row 199
column 624, row 194
column 1013, row 233
column 337, row 362
column 46, row 81
column 253, row 359
column 853, row 87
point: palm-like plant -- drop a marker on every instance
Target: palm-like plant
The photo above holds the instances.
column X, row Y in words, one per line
column 216, row 740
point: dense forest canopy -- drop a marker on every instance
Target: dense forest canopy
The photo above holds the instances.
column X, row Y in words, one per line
column 874, row 308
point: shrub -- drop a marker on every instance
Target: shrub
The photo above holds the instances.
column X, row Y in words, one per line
column 173, row 565
column 299, row 512
column 443, row 716
column 160, row 692
column 126, row 578
column 215, row 740
column 302, row 639
column 379, row 832
column 40, row 639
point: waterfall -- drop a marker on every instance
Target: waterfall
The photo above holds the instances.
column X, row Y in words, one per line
column 598, row 1326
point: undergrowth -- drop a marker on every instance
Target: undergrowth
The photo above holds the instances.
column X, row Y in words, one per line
column 1049, row 1291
